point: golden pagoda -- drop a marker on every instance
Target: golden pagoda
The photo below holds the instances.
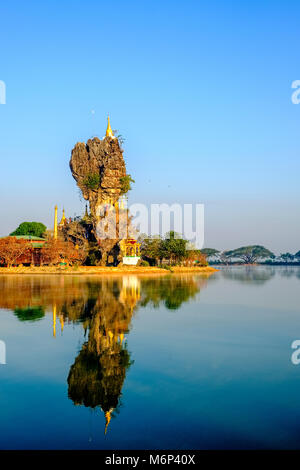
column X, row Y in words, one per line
column 55, row 223
column 109, row 132
column 63, row 219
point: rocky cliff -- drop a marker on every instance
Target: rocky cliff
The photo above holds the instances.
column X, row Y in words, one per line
column 98, row 168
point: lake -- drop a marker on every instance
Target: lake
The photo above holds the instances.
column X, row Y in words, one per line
column 151, row 362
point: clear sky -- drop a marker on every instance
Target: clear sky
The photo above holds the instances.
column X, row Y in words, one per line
column 201, row 91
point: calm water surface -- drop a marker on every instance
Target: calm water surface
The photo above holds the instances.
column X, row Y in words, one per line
column 175, row 362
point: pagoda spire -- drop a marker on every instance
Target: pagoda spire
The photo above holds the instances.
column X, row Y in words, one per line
column 109, row 132
column 63, row 219
column 55, row 223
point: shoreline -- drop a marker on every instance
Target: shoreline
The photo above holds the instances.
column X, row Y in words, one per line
column 103, row 270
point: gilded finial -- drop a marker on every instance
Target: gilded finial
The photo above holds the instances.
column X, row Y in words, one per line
column 55, row 223
column 109, row 132
column 63, row 219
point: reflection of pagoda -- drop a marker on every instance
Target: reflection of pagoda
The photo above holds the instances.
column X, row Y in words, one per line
column 97, row 376
column 131, row 291
column 61, row 319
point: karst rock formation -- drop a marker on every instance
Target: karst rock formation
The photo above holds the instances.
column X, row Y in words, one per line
column 98, row 167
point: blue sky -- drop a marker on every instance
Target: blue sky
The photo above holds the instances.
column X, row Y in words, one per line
column 201, row 91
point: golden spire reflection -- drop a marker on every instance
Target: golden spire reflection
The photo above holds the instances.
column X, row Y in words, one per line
column 54, row 320
column 107, row 419
column 61, row 318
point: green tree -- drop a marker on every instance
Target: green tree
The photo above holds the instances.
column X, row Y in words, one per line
column 249, row 254
column 287, row 257
column 30, row 313
column 34, row 229
column 174, row 248
column 297, row 255
column 210, row 252
column 126, row 184
column 151, row 249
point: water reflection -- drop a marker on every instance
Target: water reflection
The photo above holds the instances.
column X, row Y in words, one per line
column 258, row 274
column 253, row 274
column 96, row 378
column 105, row 308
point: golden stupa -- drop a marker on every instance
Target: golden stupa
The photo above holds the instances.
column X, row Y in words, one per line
column 109, row 132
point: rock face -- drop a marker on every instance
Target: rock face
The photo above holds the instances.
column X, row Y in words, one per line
column 98, row 167
column 102, row 159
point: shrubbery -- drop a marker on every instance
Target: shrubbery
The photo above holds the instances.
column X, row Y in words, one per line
column 92, row 181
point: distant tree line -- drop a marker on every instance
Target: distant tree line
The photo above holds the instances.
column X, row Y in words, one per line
column 249, row 255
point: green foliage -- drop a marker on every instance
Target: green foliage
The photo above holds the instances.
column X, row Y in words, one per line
column 92, row 181
column 144, row 263
column 29, row 313
column 166, row 266
column 210, row 252
column 297, row 255
column 172, row 293
column 249, row 254
column 173, row 247
column 34, row 229
column 151, row 249
column 125, row 182
column 287, row 257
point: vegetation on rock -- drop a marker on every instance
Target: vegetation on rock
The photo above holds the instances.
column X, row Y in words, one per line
column 92, row 181
column 126, row 184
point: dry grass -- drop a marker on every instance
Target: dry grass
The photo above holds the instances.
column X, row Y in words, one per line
column 104, row 270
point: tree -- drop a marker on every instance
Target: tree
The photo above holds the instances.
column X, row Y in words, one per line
column 287, row 257
column 35, row 229
column 210, row 253
column 11, row 249
column 151, row 249
column 173, row 247
column 58, row 251
column 195, row 257
column 297, row 255
column 249, row 254
column 30, row 313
